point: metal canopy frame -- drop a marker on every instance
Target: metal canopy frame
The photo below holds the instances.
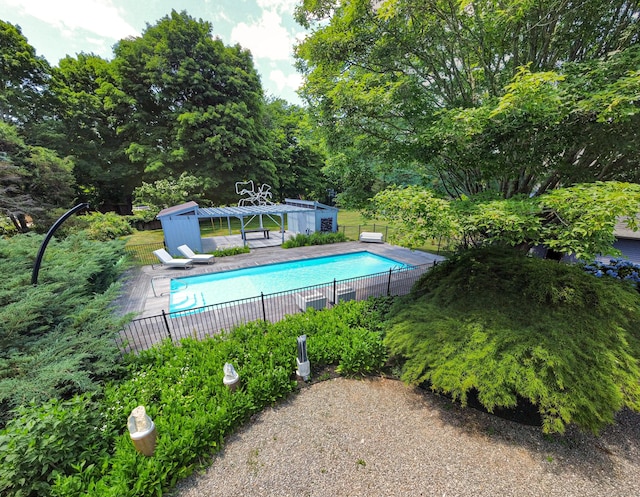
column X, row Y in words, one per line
column 250, row 211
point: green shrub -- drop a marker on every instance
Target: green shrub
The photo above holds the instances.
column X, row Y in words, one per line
column 57, row 336
column 511, row 326
column 316, row 238
column 44, row 441
column 108, row 226
column 181, row 388
column 7, row 228
column 223, row 252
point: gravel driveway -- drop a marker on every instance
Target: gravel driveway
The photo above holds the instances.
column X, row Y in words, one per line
column 378, row 437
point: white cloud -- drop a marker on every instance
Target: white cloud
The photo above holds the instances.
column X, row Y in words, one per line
column 293, row 81
column 266, row 39
column 99, row 17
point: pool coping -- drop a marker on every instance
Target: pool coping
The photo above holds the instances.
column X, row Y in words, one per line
column 146, row 288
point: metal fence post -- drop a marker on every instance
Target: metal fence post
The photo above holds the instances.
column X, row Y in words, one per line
column 166, row 324
column 153, row 324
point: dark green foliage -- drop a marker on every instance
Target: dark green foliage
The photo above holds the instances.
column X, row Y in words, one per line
column 510, row 326
column 56, row 338
column 182, row 390
column 34, row 181
column 43, row 441
column 317, row 238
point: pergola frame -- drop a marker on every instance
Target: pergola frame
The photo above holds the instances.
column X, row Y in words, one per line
column 248, row 213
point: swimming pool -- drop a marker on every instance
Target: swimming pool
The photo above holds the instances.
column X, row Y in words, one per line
column 215, row 288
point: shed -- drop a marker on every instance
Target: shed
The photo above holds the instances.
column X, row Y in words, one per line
column 181, row 225
column 314, row 217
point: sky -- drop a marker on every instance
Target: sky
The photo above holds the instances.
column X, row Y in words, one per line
column 57, row 28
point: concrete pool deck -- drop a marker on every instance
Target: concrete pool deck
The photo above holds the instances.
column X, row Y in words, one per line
column 146, row 289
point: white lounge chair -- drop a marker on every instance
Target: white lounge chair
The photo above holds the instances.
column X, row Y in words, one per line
column 169, row 261
column 190, row 254
column 370, row 236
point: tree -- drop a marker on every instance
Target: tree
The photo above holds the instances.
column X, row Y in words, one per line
column 187, row 103
column 23, row 77
column 33, row 180
column 168, row 192
column 445, row 85
column 296, row 155
column 578, row 220
column 86, row 128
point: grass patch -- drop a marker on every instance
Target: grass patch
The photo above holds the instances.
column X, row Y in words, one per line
column 350, row 224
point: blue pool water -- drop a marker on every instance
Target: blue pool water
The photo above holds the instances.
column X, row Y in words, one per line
column 215, row 288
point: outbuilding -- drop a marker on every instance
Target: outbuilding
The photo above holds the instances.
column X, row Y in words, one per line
column 181, row 223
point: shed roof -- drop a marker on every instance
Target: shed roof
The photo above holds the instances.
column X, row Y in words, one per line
column 311, row 204
column 178, row 209
column 242, row 211
column 621, row 231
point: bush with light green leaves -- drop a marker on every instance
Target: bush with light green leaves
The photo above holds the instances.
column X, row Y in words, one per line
column 507, row 326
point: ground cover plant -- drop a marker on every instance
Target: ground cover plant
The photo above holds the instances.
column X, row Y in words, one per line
column 56, row 337
column 504, row 326
column 181, row 387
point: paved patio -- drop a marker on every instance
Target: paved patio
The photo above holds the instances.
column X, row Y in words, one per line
column 146, row 291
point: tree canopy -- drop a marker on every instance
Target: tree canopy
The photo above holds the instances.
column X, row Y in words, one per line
column 577, row 220
column 175, row 100
column 23, row 75
column 514, row 97
column 188, row 103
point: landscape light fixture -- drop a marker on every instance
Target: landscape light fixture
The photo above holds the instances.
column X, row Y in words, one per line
column 231, row 377
column 304, row 368
column 142, row 431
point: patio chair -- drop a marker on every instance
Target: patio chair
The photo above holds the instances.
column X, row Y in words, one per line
column 169, row 261
column 190, row 254
column 371, row 237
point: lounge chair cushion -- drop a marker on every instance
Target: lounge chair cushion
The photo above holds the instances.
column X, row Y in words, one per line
column 190, row 254
column 370, row 236
column 169, row 261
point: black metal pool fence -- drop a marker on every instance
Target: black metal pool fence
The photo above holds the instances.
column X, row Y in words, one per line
column 143, row 333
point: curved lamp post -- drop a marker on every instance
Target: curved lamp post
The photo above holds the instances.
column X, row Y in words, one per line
column 45, row 242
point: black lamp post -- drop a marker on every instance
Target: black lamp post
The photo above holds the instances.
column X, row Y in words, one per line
column 45, row 242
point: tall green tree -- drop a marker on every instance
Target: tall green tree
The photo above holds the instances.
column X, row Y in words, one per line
column 445, row 85
column 188, row 103
column 297, row 155
column 23, row 77
column 87, row 129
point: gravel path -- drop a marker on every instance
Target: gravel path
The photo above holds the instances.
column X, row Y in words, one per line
column 380, row 438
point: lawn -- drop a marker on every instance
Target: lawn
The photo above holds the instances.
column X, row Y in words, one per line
column 351, row 223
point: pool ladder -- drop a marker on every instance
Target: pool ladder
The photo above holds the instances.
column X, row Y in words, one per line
column 162, row 294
